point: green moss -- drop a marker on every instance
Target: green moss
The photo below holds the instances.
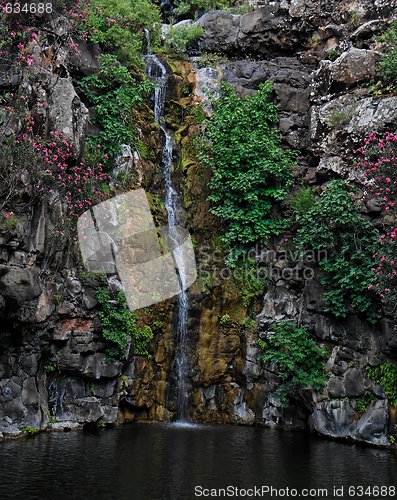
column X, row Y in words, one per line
column 30, row 431
column 340, row 117
column 93, row 278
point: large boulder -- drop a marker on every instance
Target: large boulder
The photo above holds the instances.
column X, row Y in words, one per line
column 351, row 67
column 373, row 425
column 220, row 31
column 333, row 418
column 373, row 114
column 20, row 285
column 67, row 114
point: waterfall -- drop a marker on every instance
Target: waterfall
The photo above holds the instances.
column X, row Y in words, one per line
column 158, row 74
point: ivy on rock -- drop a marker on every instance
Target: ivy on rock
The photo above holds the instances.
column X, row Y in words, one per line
column 298, row 358
column 334, row 225
column 251, row 172
column 119, row 326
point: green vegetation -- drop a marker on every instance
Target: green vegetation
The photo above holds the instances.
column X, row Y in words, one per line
column 364, row 401
column 388, row 64
column 335, row 226
column 118, row 26
column 114, row 92
column 315, row 40
column 303, row 200
column 50, row 367
column 9, row 222
column 198, row 7
column 212, row 60
column 93, row 278
column 386, row 376
column 333, row 54
column 250, row 171
column 178, row 39
column 341, row 117
column 248, row 280
column 57, row 298
column 225, row 320
column 298, row 358
column 30, row 431
column 119, row 326
column 50, row 420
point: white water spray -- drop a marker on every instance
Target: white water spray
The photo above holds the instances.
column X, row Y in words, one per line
column 158, row 74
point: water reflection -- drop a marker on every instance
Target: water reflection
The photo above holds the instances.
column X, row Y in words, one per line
column 165, row 462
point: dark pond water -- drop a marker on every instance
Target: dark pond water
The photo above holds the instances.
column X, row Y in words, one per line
column 167, row 462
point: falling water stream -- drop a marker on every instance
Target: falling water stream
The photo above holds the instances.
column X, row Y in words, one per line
column 158, row 74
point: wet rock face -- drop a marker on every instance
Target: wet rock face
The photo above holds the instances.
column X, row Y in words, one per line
column 336, row 419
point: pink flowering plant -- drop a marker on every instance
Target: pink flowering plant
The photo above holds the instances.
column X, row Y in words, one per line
column 378, row 163
column 56, row 177
column 9, row 222
column 75, row 185
column 17, row 38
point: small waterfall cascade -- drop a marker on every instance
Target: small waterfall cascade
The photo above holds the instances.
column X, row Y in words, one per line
column 158, row 74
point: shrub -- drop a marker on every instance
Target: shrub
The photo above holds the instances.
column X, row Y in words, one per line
column 9, row 222
column 334, row 225
column 178, row 39
column 388, row 64
column 303, row 200
column 114, row 92
column 76, row 185
column 250, row 171
column 198, row 7
column 119, row 326
column 117, row 25
column 386, row 376
column 298, row 358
